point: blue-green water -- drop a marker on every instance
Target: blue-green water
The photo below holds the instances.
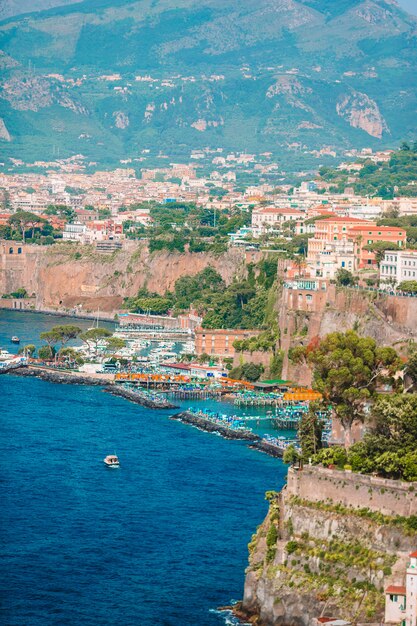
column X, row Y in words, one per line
column 161, row 541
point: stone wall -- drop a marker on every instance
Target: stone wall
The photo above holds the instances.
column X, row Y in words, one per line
column 390, row 497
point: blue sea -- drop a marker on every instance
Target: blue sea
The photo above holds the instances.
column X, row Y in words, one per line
column 162, row 541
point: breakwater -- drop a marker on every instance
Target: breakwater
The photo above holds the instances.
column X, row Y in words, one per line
column 75, row 378
column 268, row 448
column 138, row 397
column 212, row 427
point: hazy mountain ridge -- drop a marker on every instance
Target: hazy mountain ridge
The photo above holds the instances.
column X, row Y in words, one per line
column 258, row 74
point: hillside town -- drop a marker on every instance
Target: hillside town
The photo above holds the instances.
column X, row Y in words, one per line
column 208, row 312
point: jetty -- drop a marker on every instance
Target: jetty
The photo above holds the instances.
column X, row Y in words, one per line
column 62, row 377
column 140, row 396
column 203, row 422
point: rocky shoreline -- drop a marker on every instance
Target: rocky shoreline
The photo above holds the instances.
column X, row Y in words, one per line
column 71, row 378
column 211, row 427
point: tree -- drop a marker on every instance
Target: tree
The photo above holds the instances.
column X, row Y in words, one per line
column 408, row 286
column 24, row 220
column 347, row 370
column 66, row 332
column 71, row 355
column 60, row 334
column 310, row 430
column 114, row 344
column 390, row 445
column 46, row 353
column 291, row 456
column 410, row 371
column 345, row 278
column 51, row 337
column 94, row 336
column 28, row 350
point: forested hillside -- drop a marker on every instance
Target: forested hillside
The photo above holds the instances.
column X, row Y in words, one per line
column 108, row 79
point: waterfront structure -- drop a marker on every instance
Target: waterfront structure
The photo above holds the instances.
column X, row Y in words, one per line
column 398, row 266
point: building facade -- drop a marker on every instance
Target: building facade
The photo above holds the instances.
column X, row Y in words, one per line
column 398, row 266
column 219, row 342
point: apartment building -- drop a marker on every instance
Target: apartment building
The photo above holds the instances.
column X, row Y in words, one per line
column 398, row 266
column 366, row 235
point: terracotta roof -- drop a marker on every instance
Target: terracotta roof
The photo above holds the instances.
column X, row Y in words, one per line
column 397, row 589
column 413, row 555
column 345, row 219
column 383, row 229
column 280, row 211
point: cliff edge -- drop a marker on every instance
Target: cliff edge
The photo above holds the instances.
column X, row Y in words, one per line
column 330, row 544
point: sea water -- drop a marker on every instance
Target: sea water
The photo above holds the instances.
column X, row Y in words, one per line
column 160, row 541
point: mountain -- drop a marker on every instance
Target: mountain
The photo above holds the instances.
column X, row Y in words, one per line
column 108, row 78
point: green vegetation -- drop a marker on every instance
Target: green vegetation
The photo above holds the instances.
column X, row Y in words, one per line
column 58, row 334
column 310, row 430
column 347, row 370
column 291, row 456
column 29, row 228
column 178, row 226
column 395, row 178
column 389, row 448
column 344, row 278
column 242, row 304
column 407, row 524
column 248, row 371
column 408, row 286
column 19, row 293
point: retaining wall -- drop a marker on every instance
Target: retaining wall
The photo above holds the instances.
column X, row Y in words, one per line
column 390, row 497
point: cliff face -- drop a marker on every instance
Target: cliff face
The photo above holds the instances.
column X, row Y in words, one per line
column 66, row 276
column 304, row 315
column 313, row 558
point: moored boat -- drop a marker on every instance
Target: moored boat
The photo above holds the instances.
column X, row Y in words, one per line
column 111, row 460
column 15, row 339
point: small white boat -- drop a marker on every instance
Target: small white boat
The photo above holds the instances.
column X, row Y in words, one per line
column 15, row 339
column 111, row 460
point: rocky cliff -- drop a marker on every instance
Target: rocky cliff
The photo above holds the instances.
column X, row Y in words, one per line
column 306, row 314
column 313, row 557
column 66, row 276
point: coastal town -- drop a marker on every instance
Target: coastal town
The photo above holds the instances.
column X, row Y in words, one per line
column 208, row 312
column 237, row 353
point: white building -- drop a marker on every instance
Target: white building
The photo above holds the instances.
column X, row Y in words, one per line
column 406, row 206
column 365, row 211
column 333, row 256
column 75, row 232
column 401, row 600
column 398, row 266
column 272, row 219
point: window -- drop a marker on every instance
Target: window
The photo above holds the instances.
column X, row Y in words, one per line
column 10, row 250
column 19, row 251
